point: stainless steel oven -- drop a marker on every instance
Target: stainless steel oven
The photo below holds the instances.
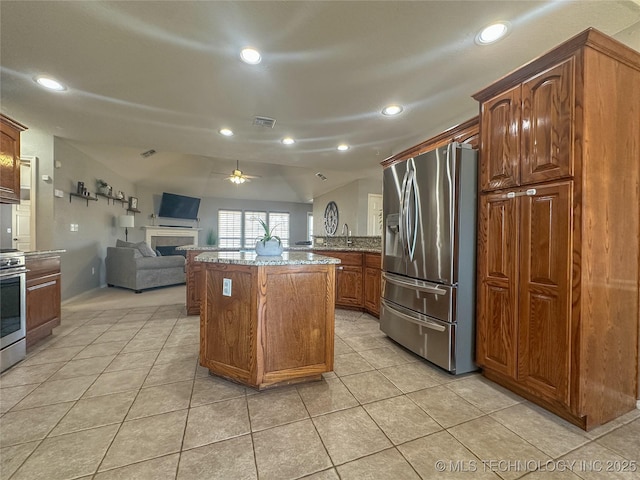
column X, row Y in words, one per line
column 12, row 308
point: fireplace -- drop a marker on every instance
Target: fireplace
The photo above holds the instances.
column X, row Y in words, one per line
column 166, row 239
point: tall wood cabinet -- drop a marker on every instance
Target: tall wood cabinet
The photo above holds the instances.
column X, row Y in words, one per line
column 559, row 230
column 10, row 159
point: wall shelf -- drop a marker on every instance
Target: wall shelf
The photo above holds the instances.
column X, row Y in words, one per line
column 112, row 198
column 134, row 210
column 84, row 197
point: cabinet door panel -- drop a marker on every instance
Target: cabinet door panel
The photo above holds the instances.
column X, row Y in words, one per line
column 500, row 151
column 497, row 260
column 372, row 281
column 544, row 345
column 547, row 124
column 349, row 286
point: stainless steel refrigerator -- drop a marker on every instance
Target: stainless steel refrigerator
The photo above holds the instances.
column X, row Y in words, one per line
column 428, row 255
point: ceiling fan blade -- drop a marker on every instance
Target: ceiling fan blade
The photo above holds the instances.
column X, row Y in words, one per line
column 251, row 176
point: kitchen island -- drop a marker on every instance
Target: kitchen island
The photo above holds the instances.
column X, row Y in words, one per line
column 267, row 321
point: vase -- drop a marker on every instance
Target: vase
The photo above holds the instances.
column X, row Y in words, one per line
column 269, row 248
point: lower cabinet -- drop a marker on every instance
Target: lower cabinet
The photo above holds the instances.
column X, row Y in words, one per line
column 195, row 274
column 372, row 283
column 42, row 296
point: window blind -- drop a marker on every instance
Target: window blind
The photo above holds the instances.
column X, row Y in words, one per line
column 252, row 228
column 229, row 228
column 279, row 222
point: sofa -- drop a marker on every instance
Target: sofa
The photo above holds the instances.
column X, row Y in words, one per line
column 137, row 267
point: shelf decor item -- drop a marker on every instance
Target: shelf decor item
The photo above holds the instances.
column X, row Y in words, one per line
column 104, row 188
column 133, row 203
column 331, row 218
column 268, row 244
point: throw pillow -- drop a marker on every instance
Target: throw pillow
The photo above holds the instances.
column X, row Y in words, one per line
column 123, row 244
column 145, row 249
column 158, row 254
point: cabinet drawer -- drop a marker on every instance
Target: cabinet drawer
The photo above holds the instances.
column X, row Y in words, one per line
column 41, row 266
column 372, row 260
column 346, row 258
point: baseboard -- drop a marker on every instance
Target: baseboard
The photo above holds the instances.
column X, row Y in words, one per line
column 80, row 296
column 638, row 404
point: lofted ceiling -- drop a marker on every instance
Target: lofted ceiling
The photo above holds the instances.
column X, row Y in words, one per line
column 167, row 76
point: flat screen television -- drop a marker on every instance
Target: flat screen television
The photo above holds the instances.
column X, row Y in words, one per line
column 179, row 206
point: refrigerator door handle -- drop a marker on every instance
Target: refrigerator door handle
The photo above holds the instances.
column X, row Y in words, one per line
column 414, row 284
column 409, row 318
column 403, row 213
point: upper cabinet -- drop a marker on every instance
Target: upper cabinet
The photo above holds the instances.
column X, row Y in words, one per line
column 10, row 159
column 527, row 130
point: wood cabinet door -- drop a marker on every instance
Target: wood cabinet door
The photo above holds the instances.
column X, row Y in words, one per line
column 372, row 281
column 544, row 342
column 500, row 141
column 496, row 345
column 43, row 307
column 9, row 164
column 547, row 124
column 195, row 283
column 348, row 286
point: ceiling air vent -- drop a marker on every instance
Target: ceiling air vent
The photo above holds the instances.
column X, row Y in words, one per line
column 321, row 176
column 264, row 122
column 148, row 153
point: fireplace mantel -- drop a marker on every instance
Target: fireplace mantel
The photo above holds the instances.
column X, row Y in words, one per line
column 153, row 231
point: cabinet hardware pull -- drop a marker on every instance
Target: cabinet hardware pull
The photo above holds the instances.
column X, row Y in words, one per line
column 511, row 195
column 531, row 192
column 42, row 285
column 339, row 268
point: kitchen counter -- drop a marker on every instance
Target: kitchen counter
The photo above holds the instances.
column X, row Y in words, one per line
column 293, row 248
column 43, row 253
column 266, row 321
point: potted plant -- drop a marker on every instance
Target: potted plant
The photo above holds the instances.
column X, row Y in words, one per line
column 268, row 244
column 103, row 187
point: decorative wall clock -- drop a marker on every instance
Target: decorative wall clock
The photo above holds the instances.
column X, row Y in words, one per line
column 331, row 218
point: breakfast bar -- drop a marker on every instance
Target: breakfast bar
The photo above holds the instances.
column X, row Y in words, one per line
column 267, row 321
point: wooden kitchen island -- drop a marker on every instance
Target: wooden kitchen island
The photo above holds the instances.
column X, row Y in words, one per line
column 267, row 321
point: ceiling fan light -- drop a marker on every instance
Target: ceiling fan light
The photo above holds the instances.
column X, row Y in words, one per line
column 288, row 141
column 492, row 33
column 250, row 55
column 226, row 132
column 49, row 83
column 343, row 147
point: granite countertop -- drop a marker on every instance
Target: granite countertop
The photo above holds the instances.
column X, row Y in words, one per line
column 251, row 258
column 35, row 253
column 294, row 248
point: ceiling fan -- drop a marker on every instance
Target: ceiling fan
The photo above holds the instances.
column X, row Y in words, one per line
column 237, row 176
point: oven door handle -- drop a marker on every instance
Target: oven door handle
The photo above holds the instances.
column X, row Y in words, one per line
column 13, row 273
column 409, row 318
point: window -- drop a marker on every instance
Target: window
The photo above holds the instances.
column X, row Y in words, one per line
column 310, row 226
column 279, row 222
column 229, row 228
column 252, row 228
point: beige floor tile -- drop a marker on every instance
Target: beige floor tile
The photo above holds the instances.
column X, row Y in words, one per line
column 350, row 363
column 79, row 339
column 340, row 347
column 182, row 339
column 161, row 399
column 146, row 438
column 115, row 382
column 441, row 456
column 52, row 355
column 101, row 349
column 444, row 406
column 215, row 422
column 289, row 451
column 82, row 367
column 213, row 389
column 490, row 441
column 32, row 424
column 134, row 360
column 350, row 434
column 10, row 396
column 163, row 468
column 625, row 441
column 95, row 412
column 12, row 457
column 551, row 475
column 25, row 375
column 116, row 335
column 415, row 376
column 383, row 357
column 542, row 429
column 275, row 407
column 132, row 326
column 401, row 420
column 231, row 459
column 57, row 391
column 366, row 342
column 484, row 394
column 142, row 344
column 171, row 372
column 326, row 396
column 68, row 456
column 379, row 466
column 177, row 354
column 370, row 386
column 595, row 461
column 134, row 317
column 330, row 474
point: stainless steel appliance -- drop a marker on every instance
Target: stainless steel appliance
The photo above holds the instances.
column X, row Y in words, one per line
column 428, row 290
column 12, row 308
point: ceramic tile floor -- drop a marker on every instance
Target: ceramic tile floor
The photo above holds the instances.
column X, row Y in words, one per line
column 116, row 393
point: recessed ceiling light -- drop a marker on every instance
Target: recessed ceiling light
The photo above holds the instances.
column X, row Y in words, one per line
column 343, row 146
column 226, row 132
column 391, row 110
column 288, row 141
column 492, row 33
column 49, row 83
column 251, row 56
